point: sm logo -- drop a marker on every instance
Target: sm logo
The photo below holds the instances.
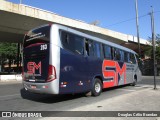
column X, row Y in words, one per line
column 113, row 72
column 33, row 67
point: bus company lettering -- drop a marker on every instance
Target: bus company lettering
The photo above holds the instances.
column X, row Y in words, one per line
column 32, row 67
column 112, row 72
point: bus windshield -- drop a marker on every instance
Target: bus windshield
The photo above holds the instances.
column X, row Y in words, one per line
column 40, row 35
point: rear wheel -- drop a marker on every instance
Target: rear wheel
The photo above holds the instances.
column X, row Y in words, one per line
column 23, row 92
column 97, row 87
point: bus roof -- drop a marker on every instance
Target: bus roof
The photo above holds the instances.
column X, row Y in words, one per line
column 94, row 38
column 104, row 41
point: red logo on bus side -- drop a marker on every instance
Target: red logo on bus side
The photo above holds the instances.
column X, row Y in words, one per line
column 111, row 70
column 32, row 67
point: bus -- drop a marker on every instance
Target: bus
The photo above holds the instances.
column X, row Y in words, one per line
column 61, row 60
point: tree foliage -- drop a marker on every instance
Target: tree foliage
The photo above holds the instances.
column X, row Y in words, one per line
column 8, row 52
column 8, row 49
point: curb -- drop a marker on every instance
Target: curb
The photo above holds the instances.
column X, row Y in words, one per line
column 8, row 78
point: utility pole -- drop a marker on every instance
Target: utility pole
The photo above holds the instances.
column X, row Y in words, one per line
column 153, row 44
column 20, row 1
column 137, row 26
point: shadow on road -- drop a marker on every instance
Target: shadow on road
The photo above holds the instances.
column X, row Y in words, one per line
column 46, row 98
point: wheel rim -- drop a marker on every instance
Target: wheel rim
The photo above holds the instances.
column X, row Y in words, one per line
column 97, row 87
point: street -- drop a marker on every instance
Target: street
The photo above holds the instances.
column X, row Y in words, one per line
column 124, row 98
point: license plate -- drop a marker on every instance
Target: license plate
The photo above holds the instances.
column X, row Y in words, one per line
column 31, row 80
column 33, row 87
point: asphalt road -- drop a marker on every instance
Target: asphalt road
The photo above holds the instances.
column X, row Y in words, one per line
column 11, row 100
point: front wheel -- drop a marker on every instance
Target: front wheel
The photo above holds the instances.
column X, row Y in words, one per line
column 97, row 87
column 134, row 82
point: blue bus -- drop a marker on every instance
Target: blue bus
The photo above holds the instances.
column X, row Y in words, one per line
column 60, row 60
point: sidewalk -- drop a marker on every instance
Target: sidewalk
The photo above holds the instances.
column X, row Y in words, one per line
column 145, row 99
column 11, row 78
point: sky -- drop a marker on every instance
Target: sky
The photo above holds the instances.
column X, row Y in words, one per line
column 116, row 15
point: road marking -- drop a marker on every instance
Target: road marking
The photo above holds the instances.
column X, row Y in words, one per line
column 9, row 95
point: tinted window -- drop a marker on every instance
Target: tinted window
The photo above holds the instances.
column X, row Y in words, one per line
column 97, row 50
column 121, row 55
column 107, row 52
column 40, row 35
column 117, row 54
column 139, row 61
column 89, row 48
column 126, row 57
column 132, row 58
column 72, row 42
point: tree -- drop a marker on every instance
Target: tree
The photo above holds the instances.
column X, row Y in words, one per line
column 8, row 51
column 149, row 52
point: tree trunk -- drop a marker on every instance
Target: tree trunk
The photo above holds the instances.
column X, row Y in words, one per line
column 10, row 60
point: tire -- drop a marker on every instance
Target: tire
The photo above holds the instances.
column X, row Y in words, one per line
column 134, row 82
column 23, row 93
column 97, row 87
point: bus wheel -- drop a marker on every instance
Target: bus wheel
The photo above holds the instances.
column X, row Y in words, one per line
column 97, row 87
column 23, row 93
column 134, row 82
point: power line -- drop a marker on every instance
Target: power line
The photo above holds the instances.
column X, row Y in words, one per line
column 130, row 19
column 156, row 12
column 127, row 20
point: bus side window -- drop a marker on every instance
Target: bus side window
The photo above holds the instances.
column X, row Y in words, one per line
column 79, row 44
column 72, row 42
column 140, row 62
column 126, row 57
column 117, row 54
column 65, row 39
column 89, row 51
column 132, row 58
column 113, row 53
column 107, row 52
column 97, row 50
column 121, row 55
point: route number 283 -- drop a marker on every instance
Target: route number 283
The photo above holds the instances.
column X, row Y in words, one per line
column 43, row 47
